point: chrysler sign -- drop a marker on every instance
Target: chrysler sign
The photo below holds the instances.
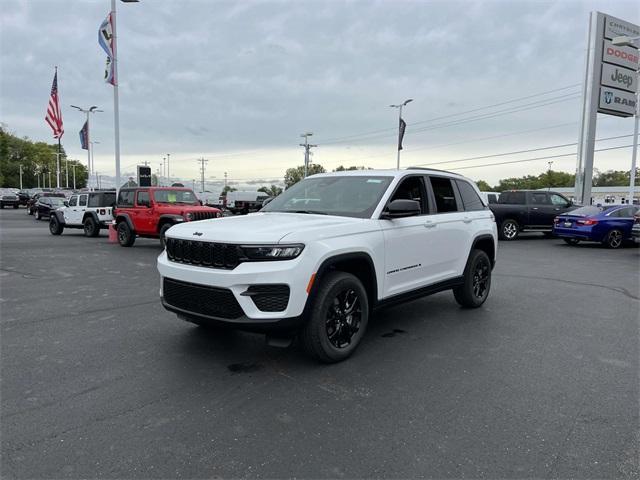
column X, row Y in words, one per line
column 614, row 27
column 617, row 102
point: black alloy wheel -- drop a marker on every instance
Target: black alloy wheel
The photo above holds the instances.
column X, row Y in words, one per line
column 163, row 232
column 343, row 318
column 126, row 237
column 337, row 319
column 476, row 282
column 55, row 227
column 614, row 239
column 91, row 228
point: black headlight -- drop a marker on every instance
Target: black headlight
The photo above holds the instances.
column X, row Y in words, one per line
column 271, row 252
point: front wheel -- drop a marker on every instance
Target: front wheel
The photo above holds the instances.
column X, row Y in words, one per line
column 613, row 239
column 338, row 318
column 509, row 230
column 163, row 232
column 38, row 217
column 55, row 227
column 126, row 237
column 477, row 281
column 571, row 241
column 91, row 228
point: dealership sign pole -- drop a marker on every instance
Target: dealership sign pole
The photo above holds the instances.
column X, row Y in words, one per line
column 610, row 86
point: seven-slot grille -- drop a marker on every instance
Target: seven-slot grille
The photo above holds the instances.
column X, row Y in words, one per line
column 204, row 254
column 201, row 299
column 202, row 215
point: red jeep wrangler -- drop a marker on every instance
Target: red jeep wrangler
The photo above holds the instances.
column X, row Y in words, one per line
column 150, row 211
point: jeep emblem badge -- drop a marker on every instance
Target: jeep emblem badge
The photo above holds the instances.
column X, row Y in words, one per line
column 199, row 234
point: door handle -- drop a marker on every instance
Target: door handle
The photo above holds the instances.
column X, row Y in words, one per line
column 467, row 220
column 429, row 224
column 534, row 208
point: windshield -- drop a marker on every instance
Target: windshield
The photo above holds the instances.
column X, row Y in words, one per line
column 57, row 202
column 348, row 196
column 175, row 196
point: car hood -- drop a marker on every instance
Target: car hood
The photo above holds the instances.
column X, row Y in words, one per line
column 164, row 209
column 257, row 228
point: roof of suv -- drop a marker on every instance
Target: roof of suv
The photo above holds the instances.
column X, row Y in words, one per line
column 391, row 172
column 155, row 188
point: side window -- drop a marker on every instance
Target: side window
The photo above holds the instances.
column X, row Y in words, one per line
column 125, row 198
column 73, row 201
column 44, row 201
column 444, row 194
column 513, row 198
column 625, row 212
column 412, row 188
column 82, row 200
column 143, row 198
column 539, row 198
column 470, row 198
column 558, row 200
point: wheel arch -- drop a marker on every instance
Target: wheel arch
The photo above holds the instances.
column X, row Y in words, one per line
column 123, row 217
column 487, row 244
column 59, row 216
column 168, row 218
column 91, row 214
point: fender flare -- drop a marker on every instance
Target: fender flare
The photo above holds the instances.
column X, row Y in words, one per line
column 482, row 238
column 59, row 216
column 92, row 214
column 123, row 217
column 169, row 218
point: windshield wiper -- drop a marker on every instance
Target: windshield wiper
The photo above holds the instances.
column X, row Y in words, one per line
column 312, row 212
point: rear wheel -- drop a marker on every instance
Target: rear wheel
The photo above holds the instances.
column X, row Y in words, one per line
column 477, row 281
column 338, row 318
column 126, row 237
column 91, row 228
column 55, row 227
column 571, row 241
column 613, row 239
column 509, row 230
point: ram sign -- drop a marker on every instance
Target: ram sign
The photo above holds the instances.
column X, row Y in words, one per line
column 617, row 102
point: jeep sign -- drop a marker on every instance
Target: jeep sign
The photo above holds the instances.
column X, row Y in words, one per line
column 619, row 77
column 617, row 102
column 624, row 56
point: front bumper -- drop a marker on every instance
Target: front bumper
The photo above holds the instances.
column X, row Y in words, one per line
column 295, row 274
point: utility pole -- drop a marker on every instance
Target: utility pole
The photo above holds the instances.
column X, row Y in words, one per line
column 74, row 175
column 193, row 182
column 549, row 175
column 20, row 176
column 225, row 179
column 38, row 178
column 203, row 162
column 58, row 184
column 168, row 175
column 307, row 146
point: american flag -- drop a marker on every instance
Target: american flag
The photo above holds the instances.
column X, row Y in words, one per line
column 54, row 115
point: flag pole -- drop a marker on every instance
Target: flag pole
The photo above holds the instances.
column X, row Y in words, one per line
column 58, row 166
column 116, row 102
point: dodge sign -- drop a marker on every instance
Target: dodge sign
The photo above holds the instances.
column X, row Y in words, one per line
column 624, row 56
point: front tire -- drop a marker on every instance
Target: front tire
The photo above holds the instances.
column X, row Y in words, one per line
column 338, row 318
column 126, row 237
column 38, row 217
column 509, row 230
column 571, row 241
column 163, row 231
column 91, row 228
column 613, row 239
column 55, row 227
column 477, row 281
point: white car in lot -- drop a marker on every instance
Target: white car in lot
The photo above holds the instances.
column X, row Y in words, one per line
column 318, row 259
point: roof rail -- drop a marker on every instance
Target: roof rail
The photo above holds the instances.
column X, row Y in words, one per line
column 432, row 169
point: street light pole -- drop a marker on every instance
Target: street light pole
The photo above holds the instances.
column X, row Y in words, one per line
column 74, row 175
column 307, row 147
column 87, row 111
column 20, row 176
column 400, row 131
column 549, row 175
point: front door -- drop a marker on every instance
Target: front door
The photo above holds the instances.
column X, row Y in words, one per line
column 144, row 213
column 71, row 212
column 405, row 241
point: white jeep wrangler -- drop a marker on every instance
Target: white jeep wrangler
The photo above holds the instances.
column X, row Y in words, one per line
column 318, row 259
column 90, row 211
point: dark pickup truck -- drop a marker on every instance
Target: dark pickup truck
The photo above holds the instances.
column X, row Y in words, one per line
column 528, row 210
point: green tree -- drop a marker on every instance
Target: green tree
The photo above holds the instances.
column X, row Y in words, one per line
column 614, row 178
column 294, row 175
column 272, row 191
column 483, row 186
column 226, row 190
column 353, row 167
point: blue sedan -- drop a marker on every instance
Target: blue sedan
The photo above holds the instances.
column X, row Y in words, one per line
column 610, row 224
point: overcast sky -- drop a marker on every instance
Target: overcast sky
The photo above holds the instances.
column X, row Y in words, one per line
column 238, row 82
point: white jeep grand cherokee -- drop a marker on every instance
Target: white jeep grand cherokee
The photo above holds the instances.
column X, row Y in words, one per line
column 323, row 255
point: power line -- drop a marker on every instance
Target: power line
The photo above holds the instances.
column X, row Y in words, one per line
column 519, row 151
column 537, row 158
column 336, row 139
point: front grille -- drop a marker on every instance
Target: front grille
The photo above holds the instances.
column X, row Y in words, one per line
column 201, row 299
column 204, row 254
column 269, row 298
column 202, row 215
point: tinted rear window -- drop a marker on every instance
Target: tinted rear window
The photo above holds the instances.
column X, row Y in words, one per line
column 470, row 198
column 444, row 193
column 102, row 199
column 514, row 198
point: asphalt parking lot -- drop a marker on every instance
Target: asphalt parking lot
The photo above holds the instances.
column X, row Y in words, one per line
column 98, row 381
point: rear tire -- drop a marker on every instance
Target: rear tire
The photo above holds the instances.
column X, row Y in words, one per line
column 477, row 281
column 338, row 318
column 126, row 237
column 614, row 239
column 509, row 230
column 91, row 228
column 55, row 227
column 571, row 241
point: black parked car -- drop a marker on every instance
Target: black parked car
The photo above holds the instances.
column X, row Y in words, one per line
column 46, row 205
column 31, row 205
column 9, row 200
column 25, row 196
column 528, row 210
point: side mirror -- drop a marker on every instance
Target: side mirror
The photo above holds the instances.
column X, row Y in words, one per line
column 66, row 204
column 401, row 209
